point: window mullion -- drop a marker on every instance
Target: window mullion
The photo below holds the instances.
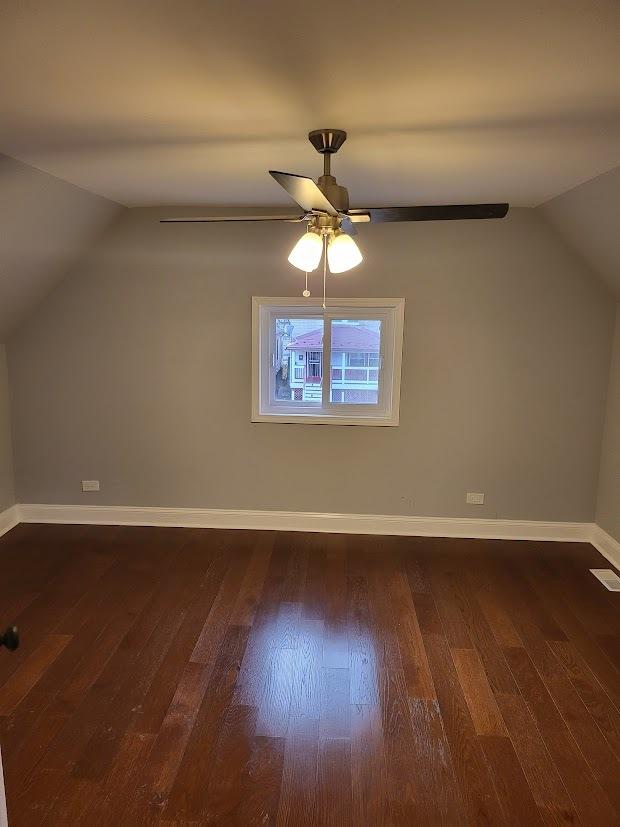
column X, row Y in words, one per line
column 325, row 383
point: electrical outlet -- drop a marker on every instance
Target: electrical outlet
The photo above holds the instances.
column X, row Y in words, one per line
column 90, row 485
column 474, row 498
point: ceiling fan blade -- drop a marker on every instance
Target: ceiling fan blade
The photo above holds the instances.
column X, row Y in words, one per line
column 304, row 191
column 347, row 225
column 216, row 219
column 443, row 212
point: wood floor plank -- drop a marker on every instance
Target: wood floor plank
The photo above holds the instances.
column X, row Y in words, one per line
column 168, row 747
column 599, row 705
column 587, row 795
column 498, row 618
column 334, row 787
column 586, row 643
column 241, row 677
column 262, row 783
column 581, row 725
column 97, row 753
column 512, row 788
column 186, row 799
column 120, row 791
column 478, row 695
column 335, row 720
column 252, row 585
column 449, row 601
column 306, row 690
column 275, row 703
column 370, row 797
column 470, row 764
column 224, row 793
column 216, row 623
column 56, row 696
column 17, row 687
column 297, row 806
column 250, row 684
column 91, row 715
column 363, row 668
column 549, row 792
column 413, row 655
column 437, row 788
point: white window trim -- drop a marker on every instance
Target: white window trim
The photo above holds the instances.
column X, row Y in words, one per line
column 363, row 414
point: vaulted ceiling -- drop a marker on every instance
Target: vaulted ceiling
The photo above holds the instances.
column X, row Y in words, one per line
column 46, row 226
column 588, row 219
column 191, row 101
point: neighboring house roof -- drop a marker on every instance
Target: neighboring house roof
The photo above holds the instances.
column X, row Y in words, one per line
column 344, row 337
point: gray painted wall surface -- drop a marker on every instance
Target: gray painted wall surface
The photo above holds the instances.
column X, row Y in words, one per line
column 136, row 371
column 7, row 496
column 608, row 505
column 45, row 226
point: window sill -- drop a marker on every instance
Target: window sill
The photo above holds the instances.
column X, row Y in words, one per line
column 308, row 419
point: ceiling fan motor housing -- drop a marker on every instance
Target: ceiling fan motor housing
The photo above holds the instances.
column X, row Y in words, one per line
column 335, row 194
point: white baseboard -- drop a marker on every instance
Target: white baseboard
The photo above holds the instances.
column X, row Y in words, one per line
column 308, row 521
column 606, row 544
column 9, row 519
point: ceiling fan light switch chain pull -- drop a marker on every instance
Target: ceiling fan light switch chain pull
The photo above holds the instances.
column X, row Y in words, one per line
column 324, row 268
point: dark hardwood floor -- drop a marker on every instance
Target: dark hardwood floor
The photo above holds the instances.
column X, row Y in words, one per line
column 183, row 676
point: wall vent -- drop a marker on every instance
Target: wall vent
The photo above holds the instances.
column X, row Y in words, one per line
column 608, row 578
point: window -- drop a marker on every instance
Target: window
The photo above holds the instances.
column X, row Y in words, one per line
column 340, row 365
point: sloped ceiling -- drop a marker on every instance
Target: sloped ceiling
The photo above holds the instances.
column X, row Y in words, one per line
column 588, row 219
column 190, row 102
column 45, row 226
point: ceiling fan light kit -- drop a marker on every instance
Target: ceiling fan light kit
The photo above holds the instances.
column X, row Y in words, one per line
column 306, row 254
column 342, row 253
column 330, row 222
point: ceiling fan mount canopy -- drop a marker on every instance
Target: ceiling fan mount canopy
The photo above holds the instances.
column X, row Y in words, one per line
column 327, row 141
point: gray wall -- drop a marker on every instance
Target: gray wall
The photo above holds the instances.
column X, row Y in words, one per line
column 587, row 219
column 7, row 495
column 136, row 371
column 45, row 226
column 608, row 505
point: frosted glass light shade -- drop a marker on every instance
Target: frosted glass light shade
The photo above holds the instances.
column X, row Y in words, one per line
column 343, row 253
column 306, row 254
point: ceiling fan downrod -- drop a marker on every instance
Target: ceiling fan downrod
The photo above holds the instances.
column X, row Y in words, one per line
column 327, row 142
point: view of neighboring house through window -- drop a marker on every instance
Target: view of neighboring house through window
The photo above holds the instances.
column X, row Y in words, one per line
column 354, row 360
column 328, row 365
column 299, row 370
column 355, row 349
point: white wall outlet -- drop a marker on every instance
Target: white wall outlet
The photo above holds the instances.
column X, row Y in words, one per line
column 90, row 485
column 474, row 498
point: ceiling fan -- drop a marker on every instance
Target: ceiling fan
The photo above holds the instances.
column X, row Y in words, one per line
column 331, row 224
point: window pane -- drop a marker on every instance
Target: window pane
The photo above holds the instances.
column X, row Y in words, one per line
column 298, row 367
column 355, row 364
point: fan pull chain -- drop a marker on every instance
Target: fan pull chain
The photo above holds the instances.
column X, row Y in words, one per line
column 324, row 268
column 306, row 292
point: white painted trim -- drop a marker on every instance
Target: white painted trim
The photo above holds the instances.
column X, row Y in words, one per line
column 9, row 519
column 262, row 412
column 605, row 543
column 308, row 521
column 4, row 819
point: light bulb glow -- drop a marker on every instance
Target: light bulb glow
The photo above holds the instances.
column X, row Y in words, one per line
column 343, row 253
column 306, row 254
